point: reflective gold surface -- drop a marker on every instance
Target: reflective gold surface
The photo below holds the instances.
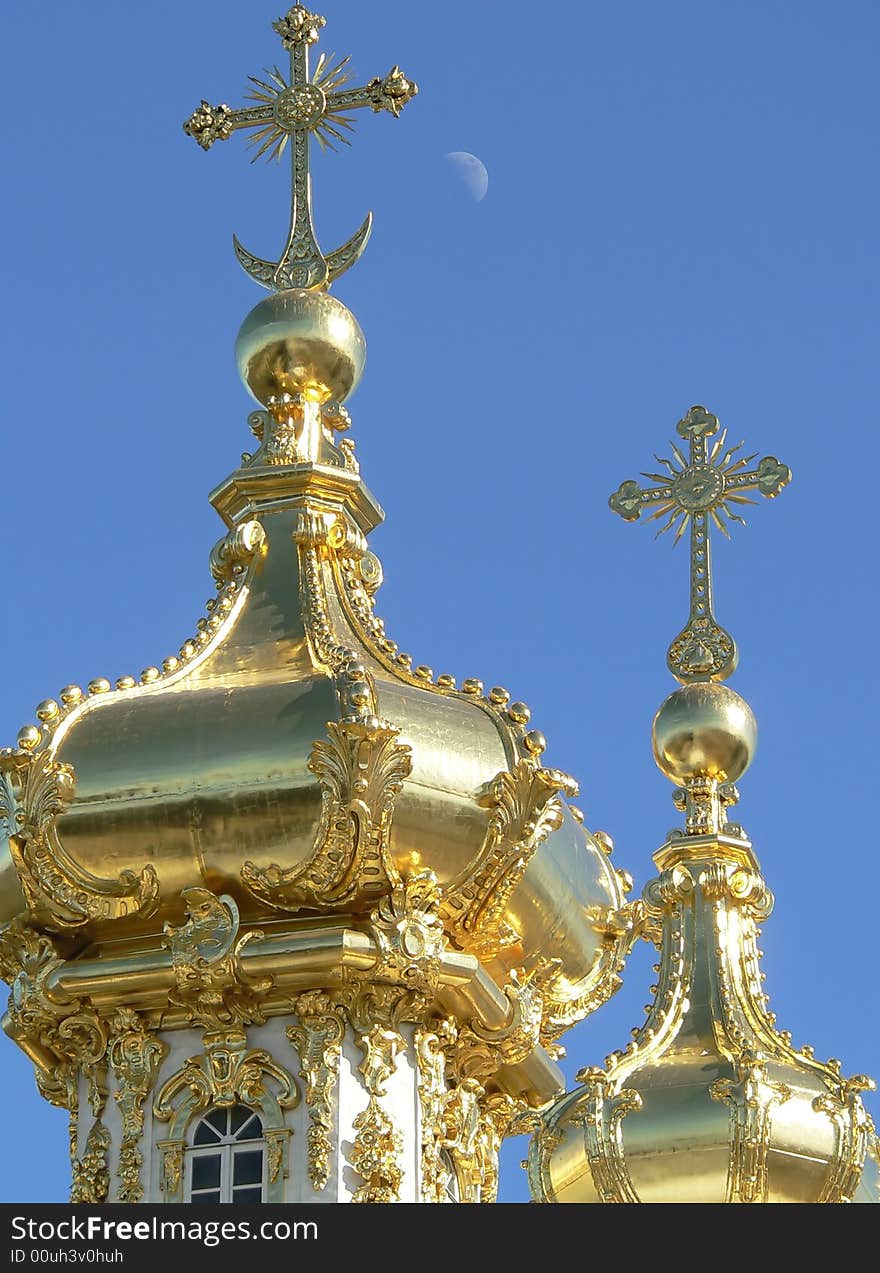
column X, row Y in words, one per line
column 704, row 730
column 208, row 768
column 709, row 1101
column 300, row 342
column 202, row 771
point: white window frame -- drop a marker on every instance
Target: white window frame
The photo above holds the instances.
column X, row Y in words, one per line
column 225, row 1148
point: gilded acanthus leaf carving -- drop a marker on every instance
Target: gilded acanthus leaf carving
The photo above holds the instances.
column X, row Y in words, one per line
column 431, row 1044
column 213, row 986
column 361, row 768
column 91, row 1173
column 61, row 1088
column 479, row 1052
column 35, row 789
column 524, row 808
column 378, row 1144
column 461, row 1125
column 375, row 1155
column 71, row 1030
column 134, row 1055
column 318, row 1040
column 172, row 1167
column 22, row 946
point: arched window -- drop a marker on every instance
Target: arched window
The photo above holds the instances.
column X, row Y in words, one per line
column 226, row 1161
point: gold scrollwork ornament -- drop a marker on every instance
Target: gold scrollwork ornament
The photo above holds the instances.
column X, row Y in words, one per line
column 134, row 1055
column 35, row 789
column 361, row 768
column 318, row 1040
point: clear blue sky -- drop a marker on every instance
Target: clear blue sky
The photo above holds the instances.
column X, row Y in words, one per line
column 682, row 208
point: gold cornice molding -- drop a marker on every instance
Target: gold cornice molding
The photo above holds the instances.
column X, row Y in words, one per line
column 249, row 492
column 304, row 957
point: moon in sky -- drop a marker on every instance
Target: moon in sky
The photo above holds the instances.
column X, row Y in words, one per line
column 472, row 172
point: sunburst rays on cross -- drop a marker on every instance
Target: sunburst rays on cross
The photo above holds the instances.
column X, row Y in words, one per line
column 327, row 76
column 723, row 464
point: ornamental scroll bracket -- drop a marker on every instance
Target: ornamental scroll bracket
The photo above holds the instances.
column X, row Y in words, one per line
column 408, row 930
column 524, row 808
column 35, row 789
column 70, row 1033
column 854, row 1137
column 605, row 1110
column 361, row 768
column 480, row 1052
column 212, row 985
column 232, row 554
column 461, row 1125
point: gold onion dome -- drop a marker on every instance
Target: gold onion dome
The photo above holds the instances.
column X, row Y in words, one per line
column 709, row 1102
column 289, row 759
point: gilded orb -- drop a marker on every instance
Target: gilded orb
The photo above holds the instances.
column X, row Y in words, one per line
column 704, row 730
column 304, row 342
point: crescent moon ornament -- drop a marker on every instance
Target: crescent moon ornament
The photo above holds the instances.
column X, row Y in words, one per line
column 285, row 113
column 472, row 172
column 352, row 251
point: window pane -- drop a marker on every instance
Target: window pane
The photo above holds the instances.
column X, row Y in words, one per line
column 249, row 1194
column 206, row 1171
column 206, row 1134
column 210, row 1195
column 218, row 1119
column 240, row 1115
column 251, row 1130
column 247, row 1167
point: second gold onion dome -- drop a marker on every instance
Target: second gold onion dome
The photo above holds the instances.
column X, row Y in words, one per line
column 709, row 1102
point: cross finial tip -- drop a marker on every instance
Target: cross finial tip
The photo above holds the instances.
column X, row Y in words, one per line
column 698, row 423
column 299, row 26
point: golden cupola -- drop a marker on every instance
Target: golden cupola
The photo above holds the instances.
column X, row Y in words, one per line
column 710, row 1101
column 289, row 805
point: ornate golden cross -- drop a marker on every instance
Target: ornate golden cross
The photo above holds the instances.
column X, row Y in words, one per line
column 289, row 111
column 702, row 489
